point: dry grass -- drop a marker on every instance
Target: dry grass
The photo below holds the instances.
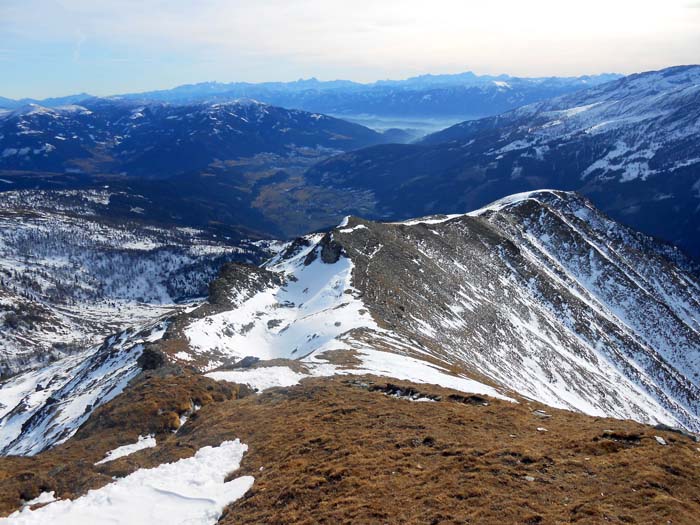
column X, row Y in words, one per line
column 339, row 450
column 151, row 406
column 334, row 452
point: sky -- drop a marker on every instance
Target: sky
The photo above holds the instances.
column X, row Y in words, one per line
column 103, row 47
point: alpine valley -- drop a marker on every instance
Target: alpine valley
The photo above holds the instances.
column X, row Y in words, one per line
column 217, row 310
column 631, row 146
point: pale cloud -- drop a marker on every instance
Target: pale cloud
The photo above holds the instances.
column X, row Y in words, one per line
column 79, row 41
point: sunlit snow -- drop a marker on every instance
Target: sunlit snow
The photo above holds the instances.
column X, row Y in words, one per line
column 191, row 491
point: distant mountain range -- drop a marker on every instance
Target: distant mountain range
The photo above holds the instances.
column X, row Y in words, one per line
column 631, row 145
column 107, row 136
column 464, row 95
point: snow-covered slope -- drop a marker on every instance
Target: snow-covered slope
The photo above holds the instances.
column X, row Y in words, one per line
column 69, row 277
column 539, row 293
column 44, row 407
column 302, row 306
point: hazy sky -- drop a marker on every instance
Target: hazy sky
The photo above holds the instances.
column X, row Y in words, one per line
column 56, row 47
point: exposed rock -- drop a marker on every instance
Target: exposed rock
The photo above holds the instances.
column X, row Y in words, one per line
column 247, row 362
column 151, row 359
column 330, row 249
column 240, row 278
column 295, row 246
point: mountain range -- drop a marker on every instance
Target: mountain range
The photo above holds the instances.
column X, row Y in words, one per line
column 156, row 140
column 496, row 323
column 473, row 325
column 463, row 95
column 630, row 145
column 259, row 170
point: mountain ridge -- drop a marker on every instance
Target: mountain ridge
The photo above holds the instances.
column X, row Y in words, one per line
column 629, row 145
column 537, row 296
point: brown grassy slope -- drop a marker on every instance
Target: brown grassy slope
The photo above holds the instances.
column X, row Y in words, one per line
column 333, row 450
column 152, row 405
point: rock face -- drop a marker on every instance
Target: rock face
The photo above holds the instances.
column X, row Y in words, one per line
column 236, row 282
column 329, row 249
column 632, row 146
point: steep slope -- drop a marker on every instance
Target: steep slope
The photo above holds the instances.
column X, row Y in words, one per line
column 630, row 145
column 69, row 276
column 44, row 407
column 540, row 294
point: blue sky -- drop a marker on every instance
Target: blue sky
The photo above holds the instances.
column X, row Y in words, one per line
column 57, row 47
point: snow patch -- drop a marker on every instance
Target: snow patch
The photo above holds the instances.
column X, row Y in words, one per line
column 190, row 491
column 142, row 443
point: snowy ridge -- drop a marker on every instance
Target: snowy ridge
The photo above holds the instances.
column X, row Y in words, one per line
column 538, row 292
column 314, row 311
column 45, row 407
column 590, row 315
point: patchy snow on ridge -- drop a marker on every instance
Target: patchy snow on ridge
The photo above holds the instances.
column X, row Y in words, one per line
column 493, row 207
column 190, row 491
column 308, row 312
column 261, row 378
column 142, row 443
column 44, row 407
column 374, row 362
column 314, row 311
